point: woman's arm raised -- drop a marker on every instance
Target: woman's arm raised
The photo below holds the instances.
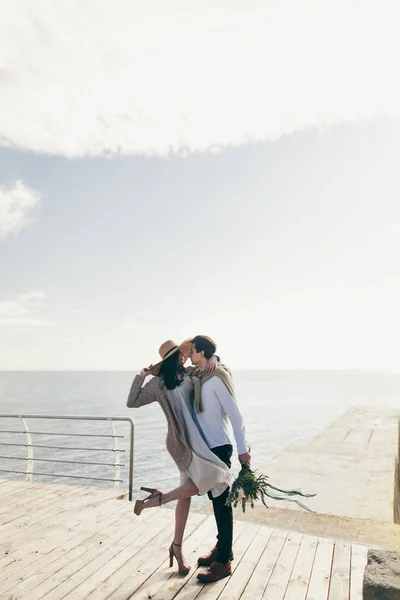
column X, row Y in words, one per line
column 140, row 396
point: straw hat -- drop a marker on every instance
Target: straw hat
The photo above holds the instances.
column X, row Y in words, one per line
column 169, row 348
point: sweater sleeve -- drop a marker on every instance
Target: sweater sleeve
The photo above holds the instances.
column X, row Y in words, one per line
column 191, row 368
column 231, row 409
column 140, row 396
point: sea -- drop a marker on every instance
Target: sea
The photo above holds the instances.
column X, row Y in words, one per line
column 280, row 409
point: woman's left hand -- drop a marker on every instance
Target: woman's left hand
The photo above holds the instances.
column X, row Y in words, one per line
column 151, row 370
column 211, row 365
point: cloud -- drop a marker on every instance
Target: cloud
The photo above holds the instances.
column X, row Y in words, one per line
column 34, row 298
column 25, row 323
column 12, row 309
column 17, row 204
column 19, row 314
column 87, row 77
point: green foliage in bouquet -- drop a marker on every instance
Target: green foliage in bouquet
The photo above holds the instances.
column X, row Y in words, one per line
column 247, row 488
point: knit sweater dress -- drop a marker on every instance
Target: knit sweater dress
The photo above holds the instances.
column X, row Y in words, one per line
column 185, row 442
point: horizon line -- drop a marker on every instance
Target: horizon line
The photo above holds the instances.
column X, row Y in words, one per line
column 279, row 369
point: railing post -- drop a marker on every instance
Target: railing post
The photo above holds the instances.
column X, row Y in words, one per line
column 117, row 462
column 132, row 424
column 29, row 454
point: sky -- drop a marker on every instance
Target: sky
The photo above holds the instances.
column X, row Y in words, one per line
column 175, row 168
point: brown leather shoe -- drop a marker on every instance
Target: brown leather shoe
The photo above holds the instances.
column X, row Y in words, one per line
column 215, row 572
column 208, row 559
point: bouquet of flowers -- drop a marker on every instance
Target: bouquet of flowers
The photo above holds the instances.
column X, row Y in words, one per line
column 247, row 488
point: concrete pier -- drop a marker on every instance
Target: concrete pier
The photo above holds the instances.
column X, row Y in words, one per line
column 350, row 465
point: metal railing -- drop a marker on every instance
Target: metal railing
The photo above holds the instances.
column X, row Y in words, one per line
column 30, row 445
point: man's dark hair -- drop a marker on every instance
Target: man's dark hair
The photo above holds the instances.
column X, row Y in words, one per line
column 205, row 344
column 172, row 372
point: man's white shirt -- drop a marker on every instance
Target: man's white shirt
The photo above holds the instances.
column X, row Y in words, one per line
column 218, row 406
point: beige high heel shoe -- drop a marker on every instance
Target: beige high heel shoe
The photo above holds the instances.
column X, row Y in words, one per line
column 139, row 504
column 182, row 568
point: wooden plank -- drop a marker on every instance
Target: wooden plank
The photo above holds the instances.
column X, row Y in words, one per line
column 262, row 573
column 63, row 546
column 38, row 505
column 61, row 564
column 36, row 516
column 72, row 575
column 358, row 562
column 236, row 584
column 35, row 549
column 10, row 486
column 300, row 577
column 279, row 579
column 142, row 562
column 58, row 566
column 35, row 566
column 26, row 488
column 68, row 527
column 23, row 489
column 210, row 592
column 340, row 578
column 321, row 572
column 163, row 574
column 147, row 565
column 14, row 488
column 34, row 525
column 189, row 587
column 12, row 502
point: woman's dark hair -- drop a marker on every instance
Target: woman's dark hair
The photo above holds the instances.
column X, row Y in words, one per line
column 172, row 372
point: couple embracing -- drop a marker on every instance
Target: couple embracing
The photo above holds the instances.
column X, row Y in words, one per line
column 197, row 402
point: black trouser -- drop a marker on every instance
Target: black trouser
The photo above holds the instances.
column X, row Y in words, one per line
column 223, row 514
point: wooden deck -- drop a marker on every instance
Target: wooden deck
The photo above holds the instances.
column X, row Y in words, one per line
column 59, row 541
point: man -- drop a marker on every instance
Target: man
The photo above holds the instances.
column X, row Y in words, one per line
column 214, row 406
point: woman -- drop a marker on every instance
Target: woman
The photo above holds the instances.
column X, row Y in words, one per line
column 201, row 471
